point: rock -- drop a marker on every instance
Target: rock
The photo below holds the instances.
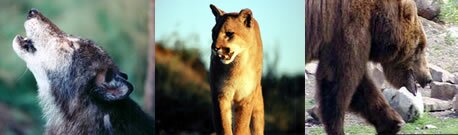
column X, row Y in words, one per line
column 455, row 77
column 428, row 9
column 444, row 91
column 429, row 126
column 440, row 75
column 432, row 104
column 410, row 107
column 310, row 68
column 455, row 103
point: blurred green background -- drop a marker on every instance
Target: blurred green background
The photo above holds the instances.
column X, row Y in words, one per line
column 119, row 26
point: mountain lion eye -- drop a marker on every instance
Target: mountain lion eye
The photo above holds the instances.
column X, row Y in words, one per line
column 230, row 34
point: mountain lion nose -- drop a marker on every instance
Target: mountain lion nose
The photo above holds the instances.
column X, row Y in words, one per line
column 223, row 50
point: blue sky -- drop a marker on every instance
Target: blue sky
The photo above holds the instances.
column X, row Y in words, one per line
column 282, row 25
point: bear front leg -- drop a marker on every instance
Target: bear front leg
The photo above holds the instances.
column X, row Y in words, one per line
column 340, row 69
column 335, row 89
column 369, row 102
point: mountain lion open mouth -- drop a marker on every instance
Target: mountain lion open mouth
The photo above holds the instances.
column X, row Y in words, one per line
column 225, row 56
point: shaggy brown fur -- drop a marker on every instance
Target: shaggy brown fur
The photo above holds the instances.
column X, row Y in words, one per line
column 235, row 73
column 344, row 35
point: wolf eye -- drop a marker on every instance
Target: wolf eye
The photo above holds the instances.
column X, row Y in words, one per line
column 230, row 34
column 109, row 75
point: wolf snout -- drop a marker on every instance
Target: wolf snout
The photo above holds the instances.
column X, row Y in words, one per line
column 32, row 13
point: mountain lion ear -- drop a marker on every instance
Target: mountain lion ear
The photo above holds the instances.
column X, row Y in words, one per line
column 216, row 12
column 247, row 16
column 111, row 86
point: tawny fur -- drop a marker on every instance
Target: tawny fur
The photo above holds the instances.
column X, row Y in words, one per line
column 236, row 81
column 344, row 36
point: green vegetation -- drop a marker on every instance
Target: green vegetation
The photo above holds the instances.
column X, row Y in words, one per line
column 120, row 27
column 444, row 126
column 309, row 103
column 449, row 11
column 350, row 130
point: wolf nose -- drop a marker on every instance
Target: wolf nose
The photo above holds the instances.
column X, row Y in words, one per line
column 32, row 13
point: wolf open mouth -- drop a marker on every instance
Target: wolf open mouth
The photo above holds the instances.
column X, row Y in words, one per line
column 25, row 44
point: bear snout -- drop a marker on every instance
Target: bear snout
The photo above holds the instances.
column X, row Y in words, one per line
column 425, row 82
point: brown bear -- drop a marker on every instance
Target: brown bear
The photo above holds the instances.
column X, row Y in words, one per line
column 343, row 35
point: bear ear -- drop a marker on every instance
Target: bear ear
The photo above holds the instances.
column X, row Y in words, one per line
column 216, row 12
column 111, row 86
column 247, row 16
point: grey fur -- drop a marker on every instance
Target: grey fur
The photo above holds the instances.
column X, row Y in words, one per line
column 76, row 84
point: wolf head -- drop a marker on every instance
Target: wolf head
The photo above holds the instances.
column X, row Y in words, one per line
column 66, row 66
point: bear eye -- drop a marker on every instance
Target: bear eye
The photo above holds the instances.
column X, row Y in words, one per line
column 230, row 34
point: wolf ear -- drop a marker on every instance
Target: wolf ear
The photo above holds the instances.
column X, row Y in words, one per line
column 247, row 17
column 112, row 86
column 216, row 12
